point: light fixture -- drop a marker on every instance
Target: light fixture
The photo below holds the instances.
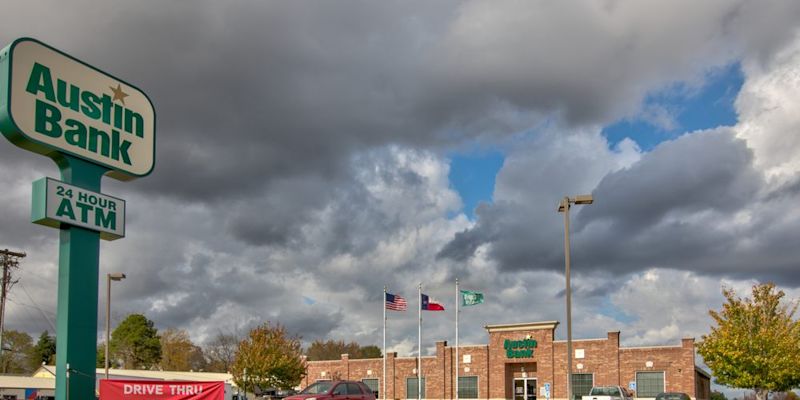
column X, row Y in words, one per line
column 115, row 276
column 564, row 206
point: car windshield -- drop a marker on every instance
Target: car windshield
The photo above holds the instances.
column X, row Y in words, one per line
column 318, row 387
column 605, row 391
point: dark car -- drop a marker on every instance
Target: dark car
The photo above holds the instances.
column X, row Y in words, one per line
column 673, row 396
column 275, row 394
column 334, row 390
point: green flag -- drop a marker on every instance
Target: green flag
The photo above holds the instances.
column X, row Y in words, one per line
column 470, row 298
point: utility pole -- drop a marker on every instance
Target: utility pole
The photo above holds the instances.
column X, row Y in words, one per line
column 9, row 259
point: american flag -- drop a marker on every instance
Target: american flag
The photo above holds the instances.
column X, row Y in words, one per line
column 395, row 302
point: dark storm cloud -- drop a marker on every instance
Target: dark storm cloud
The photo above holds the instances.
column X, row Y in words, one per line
column 247, row 92
column 312, row 325
column 276, row 174
column 701, row 171
column 250, row 91
column 681, row 206
column 463, row 245
column 274, row 216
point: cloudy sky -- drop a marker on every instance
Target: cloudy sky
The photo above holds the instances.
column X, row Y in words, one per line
column 309, row 153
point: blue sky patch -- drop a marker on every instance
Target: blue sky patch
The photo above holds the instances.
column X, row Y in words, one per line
column 473, row 175
column 610, row 310
column 665, row 115
column 680, row 108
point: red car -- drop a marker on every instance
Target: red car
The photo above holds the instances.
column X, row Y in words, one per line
column 335, row 390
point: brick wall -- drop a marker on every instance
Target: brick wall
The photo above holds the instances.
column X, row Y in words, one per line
column 502, row 369
column 677, row 363
column 600, row 358
column 608, row 363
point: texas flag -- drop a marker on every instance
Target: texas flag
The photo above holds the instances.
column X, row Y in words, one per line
column 430, row 305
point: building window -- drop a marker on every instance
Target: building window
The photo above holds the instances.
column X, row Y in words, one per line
column 374, row 385
column 649, row 384
column 467, row 387
column 581, row 385
column 411, row 388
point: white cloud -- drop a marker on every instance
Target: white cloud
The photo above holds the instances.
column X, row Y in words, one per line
column 768, row 108
column 660, row 306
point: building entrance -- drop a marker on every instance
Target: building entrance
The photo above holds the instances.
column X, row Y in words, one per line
column 525, row 389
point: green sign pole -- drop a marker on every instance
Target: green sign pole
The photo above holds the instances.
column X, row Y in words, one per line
column 91, row 124
column 78, row 270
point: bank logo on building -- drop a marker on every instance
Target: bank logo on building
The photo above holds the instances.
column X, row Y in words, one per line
column 53, row 102
column 519, row 348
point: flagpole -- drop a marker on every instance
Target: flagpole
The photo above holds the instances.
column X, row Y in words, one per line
column 419, row 344
column 457, row 367
column 384, row 342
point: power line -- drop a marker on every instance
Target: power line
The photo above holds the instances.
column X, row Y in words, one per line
column 49, row 322
column 47, row 279
column 10, row 260
column 26, row 309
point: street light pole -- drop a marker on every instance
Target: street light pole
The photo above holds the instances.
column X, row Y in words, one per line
column 110, row 277
column 564, row 207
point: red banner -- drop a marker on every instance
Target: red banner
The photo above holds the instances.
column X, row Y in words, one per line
column 123, row 389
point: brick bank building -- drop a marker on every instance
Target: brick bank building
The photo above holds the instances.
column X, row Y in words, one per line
column 520, row 361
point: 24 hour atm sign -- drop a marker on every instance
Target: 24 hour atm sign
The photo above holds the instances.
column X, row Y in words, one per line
column 56, row 202
column 53, row 102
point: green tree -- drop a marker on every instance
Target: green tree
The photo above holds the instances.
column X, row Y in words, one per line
column 271, row 357
column 135, row 343
column 756, row 343
column 715, row 395
column 17, row 356
column 333, row 350
column 101, row 355
column 370, row 351
column 45, row 349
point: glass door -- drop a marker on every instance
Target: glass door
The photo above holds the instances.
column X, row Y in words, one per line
column 525, row 389
column 519, row 389
column 530, row 389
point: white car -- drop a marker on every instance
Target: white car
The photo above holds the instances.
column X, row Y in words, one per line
column 608, row 393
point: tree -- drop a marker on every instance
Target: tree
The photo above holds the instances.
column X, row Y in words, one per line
column 197, row 359
column 135, row 343
column 715, row 395
column 756, row 343
column 785, row 396
column 101, row 356
column 17, row 356
column 221, row 351
column 271, row 357
column 45, row 349
column 333, row 350
column 371, row 351
column 176, row 350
